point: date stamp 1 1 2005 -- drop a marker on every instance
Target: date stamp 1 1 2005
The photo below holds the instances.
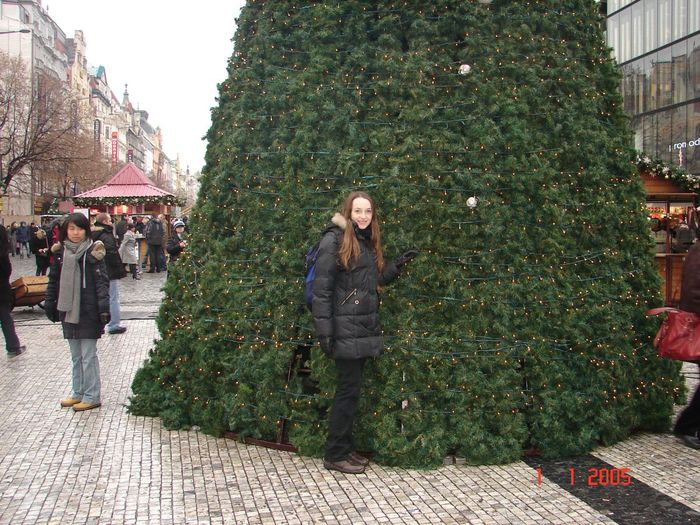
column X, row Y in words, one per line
column 598, row 477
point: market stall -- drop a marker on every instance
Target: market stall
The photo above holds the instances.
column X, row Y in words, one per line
column 674, row 222
column 129, row 192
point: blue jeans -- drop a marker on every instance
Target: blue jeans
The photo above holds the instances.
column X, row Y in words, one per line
column 114, row 313
column 86, row 370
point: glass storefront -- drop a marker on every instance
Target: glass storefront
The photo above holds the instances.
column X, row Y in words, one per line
column 657, row 44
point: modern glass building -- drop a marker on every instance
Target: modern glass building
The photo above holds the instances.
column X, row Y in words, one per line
column 657, row 45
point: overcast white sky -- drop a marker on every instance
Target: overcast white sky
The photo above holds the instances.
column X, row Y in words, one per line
column 171, row 54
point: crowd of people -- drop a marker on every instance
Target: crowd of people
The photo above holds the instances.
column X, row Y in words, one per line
column 164, row 241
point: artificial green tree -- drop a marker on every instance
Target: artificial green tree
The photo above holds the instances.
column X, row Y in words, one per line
column 492, row 136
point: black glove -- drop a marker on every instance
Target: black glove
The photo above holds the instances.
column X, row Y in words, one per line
column 326, row 346
column 52, row 315
column 406, row 258
column 105, row 318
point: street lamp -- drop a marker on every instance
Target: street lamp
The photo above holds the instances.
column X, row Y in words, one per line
column 15, row 31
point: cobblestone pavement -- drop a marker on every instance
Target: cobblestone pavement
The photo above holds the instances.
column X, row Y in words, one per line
column 106, row 466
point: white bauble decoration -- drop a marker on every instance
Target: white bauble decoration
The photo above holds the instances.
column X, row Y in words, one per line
column 464, row 69
column 472, row 202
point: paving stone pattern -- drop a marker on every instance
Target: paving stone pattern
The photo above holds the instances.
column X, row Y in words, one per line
column 106, row 466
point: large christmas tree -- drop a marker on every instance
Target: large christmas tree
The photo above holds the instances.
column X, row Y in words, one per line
column 492, row 136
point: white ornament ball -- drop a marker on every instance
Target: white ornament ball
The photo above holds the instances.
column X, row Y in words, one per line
column 464, row 69
column 472, row 202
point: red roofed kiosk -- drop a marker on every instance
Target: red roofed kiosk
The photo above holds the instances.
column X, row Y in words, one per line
column 130, row 192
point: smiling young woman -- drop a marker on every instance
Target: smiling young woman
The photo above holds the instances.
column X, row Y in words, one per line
column 349, row 271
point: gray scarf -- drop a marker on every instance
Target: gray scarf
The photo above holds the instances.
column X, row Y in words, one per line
column 69, row 286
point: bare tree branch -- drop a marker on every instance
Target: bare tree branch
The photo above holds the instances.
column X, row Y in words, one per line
column 41, row 129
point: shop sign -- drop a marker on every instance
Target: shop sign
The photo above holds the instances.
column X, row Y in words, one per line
column 115, row 145
column 682, row 145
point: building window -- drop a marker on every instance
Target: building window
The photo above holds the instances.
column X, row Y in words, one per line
column 693, row 155
column 614, row 35
column 680, row 19
column 664, row 78
column 650, row 36
column 693, row 16
column 679, row 59
column 637, row 29
column 679, row 139
column 665, row 134
column 625, row 35
column 694, row 67
column 664, row 24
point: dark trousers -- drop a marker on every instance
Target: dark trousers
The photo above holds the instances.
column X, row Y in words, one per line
column 347, row 395
column 8, row 327
column 688, row 421
column 156, row 257
column 42, row 265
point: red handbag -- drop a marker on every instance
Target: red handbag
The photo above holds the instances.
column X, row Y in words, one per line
column 679, row 335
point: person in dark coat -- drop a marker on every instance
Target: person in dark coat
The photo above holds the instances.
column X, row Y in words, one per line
column 41, row 249
column 120, row 228
column 139, row 225
column 23, row 236
column 154, row 232
column 350, row 268
column 12, row 345
column 687, row 426
column 78, row 296
column 53, row 233
column 103, row 231
column 14, row 247
column 176, row 242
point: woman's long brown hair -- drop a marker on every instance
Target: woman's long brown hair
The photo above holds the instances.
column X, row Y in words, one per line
column 349, row 251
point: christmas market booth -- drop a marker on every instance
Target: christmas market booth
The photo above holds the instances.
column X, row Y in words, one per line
column 671, row 197
column 129, row 192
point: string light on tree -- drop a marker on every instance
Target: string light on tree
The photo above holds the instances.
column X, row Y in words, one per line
column 520, row 322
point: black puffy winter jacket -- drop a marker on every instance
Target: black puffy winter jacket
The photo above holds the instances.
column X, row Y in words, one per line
column 105, row 233
column 345, row 303
column 94, row 296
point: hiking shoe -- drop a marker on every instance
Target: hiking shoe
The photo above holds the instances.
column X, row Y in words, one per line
column 69, row 402
column 16, row 351
column 343, row 466
column 356, row 459
column 79, row 407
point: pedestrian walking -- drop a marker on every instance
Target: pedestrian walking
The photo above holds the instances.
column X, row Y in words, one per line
column 41, row 250
column 154, row 232
column 53, row 233
column 687, row 426
column 349, row 270
column 12, row 344
column 103, row 231
column 23, row 236
column 176, row 242
column 78, row 296
column 127, row 251
column 120, row 228
column 139, row 225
